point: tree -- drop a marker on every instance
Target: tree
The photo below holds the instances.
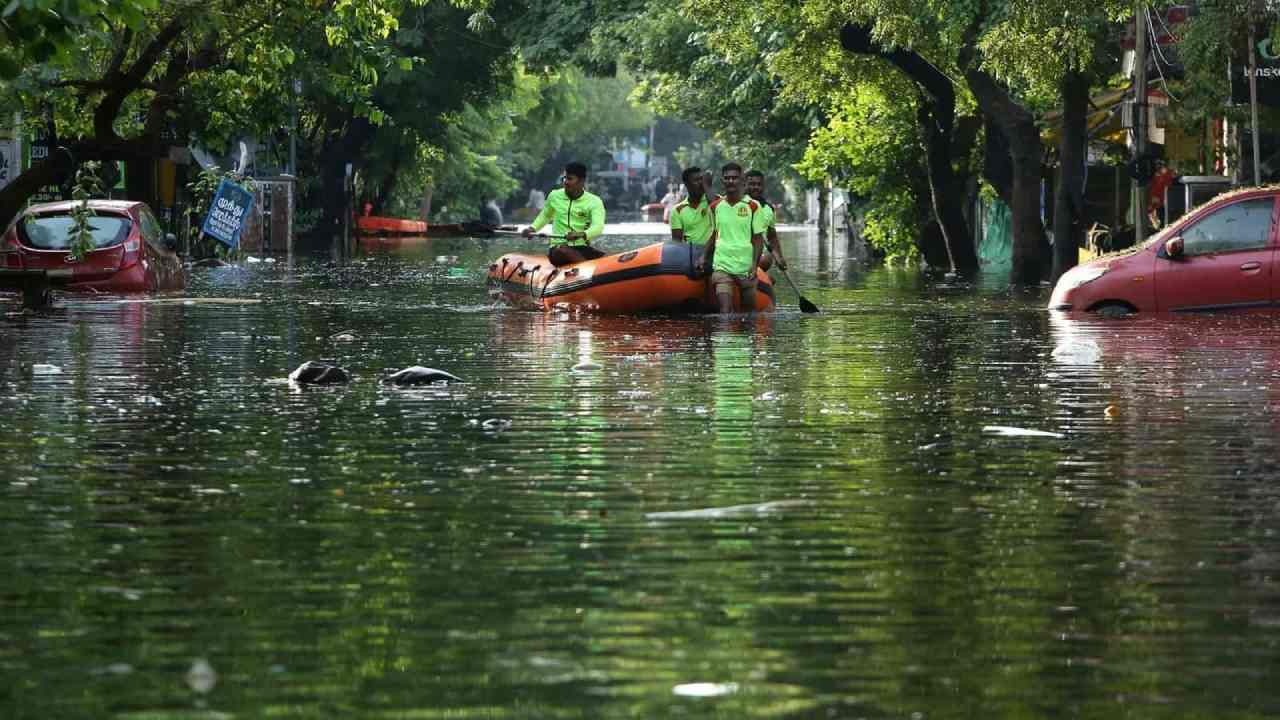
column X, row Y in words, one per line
column 936, row 109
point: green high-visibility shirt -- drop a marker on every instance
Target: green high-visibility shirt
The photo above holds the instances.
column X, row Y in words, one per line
column 769, row 216
column 582, row 214
column 695, row 222
column 735, row 224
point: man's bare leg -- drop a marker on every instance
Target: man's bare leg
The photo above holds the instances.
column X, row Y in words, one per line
column 564, row 255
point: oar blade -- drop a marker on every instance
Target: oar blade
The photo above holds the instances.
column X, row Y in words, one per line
column 806, row 306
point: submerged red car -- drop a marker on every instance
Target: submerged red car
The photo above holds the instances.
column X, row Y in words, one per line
column 131, row 253
column 1220, row 256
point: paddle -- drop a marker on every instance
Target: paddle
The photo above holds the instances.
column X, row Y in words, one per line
column 805, row 305
column 517, row 232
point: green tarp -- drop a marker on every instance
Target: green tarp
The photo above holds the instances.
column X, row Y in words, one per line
column 996, row 250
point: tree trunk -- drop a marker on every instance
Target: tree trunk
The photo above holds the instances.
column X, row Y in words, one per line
column 936, row 117
column 349, row 147
column 425, row 208
column 1030, row 246
column 824, row 199
column 1068, row 204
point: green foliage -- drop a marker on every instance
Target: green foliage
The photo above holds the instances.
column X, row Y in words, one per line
column 863, row 149
column 87, row 186
column 46, row 32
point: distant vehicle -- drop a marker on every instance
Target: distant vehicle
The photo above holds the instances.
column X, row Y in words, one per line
column 1220, row 256
column 131, row 253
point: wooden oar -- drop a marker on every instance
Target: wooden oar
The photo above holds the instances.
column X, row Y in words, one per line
column 805, row 305
column 514, row 233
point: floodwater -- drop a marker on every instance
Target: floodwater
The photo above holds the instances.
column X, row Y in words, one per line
column 928, row 501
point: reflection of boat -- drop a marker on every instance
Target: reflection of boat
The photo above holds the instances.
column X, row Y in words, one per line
column 391, row 242
column 657, row 277
column 376, row 225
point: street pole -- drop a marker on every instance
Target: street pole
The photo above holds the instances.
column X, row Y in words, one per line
column 1253, row 103
column 1139, row 198
column 293, row 130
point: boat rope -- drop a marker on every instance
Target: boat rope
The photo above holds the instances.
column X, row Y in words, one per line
column 513, row 269
column 532, row 278
column 550, row 276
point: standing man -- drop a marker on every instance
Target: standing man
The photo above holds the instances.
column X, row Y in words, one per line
column 577, row 218
column 773, row 251
column 691, row 218
column 735, row 244
column 536, row 200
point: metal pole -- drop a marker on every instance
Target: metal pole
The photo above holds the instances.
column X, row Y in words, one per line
column 293, row 130
column 1253, row 104
column 1139, row 195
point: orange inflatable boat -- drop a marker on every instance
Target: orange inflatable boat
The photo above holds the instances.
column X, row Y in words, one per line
column 659, row 277
column 376, row 225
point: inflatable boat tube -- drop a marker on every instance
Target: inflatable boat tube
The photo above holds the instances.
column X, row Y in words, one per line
column 656, row 278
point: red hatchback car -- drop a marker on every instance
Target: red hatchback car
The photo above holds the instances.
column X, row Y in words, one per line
column 132, row 252
column 1220, row 256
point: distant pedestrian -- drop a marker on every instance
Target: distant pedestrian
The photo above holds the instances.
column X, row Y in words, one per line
column 490, row 213
column 536, row 200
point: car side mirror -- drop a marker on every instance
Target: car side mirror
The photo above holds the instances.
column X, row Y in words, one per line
column 1173, row 247
column 171, row 241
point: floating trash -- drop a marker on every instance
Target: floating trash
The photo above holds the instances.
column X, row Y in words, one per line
column 705, row 689
column 587, row 366
column 201, row 677
column 45, row 369
column 419, row 375
column 317, row 373
column 728, row 511
column 496, row 424
column 1007, row 431
column 1078, row 352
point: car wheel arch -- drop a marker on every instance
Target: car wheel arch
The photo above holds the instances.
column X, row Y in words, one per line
column 1113, row 308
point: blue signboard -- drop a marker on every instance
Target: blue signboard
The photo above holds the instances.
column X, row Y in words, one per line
column 228, row 213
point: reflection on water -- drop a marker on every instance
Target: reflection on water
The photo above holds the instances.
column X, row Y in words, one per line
column 185, row 535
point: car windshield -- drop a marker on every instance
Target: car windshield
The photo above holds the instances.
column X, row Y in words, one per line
column 54, row 232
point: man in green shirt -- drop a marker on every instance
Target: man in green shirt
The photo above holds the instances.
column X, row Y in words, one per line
column 773, row 249
column 577, row 218
column 735, row 244
column 691, row 217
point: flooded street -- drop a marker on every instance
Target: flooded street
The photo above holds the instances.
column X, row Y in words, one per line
column 927, row 501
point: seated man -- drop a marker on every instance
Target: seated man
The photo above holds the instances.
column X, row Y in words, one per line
column 577, row 218
column 691, row 218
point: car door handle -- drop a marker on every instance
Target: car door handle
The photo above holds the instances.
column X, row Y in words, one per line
column 1251, row 266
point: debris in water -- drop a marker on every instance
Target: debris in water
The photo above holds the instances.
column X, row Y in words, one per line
column 705, row 689
column 1078, row 352
column 45, row 369
column 587, row 366
column 715, row 513
column 419, row 375
column 201, row 677
column 317, row 373
column 1006, row 431
column 1111, row 412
